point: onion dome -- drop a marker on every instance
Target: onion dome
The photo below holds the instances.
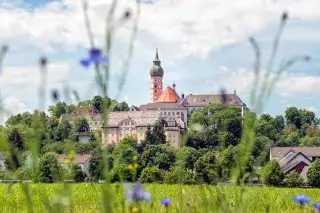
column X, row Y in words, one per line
column 156, row 69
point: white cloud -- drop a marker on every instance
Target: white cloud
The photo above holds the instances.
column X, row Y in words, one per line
column 313, row 109
column 181, row 27
column 11, row 106
column 289, row 84
column 30, row 75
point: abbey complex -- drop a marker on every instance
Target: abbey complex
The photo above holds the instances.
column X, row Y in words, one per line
column 165, row 105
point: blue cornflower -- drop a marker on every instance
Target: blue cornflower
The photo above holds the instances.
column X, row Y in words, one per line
column 166, row 202
column 317, row 206
column 95, row 56
column 137, row 193
column 301, row 199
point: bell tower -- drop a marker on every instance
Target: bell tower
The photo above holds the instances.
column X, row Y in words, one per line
column 156, row 74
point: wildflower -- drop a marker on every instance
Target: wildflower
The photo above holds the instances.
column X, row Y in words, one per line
column 135, row 158
column 130, row 167
column 301, row 199
column 135, row 210
column 166, row 202
column 43, row 61
column 137, row 194
column 95, row 56
column 4, row 48
column 55, row 95
column 135, row 166
column 317, row 206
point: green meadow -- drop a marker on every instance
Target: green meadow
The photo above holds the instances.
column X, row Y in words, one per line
column 88, row 198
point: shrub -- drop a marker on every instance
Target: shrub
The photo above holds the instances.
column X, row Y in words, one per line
column 152, row 174
column 178, row 176
column 293, row 179
column 78, row 174
column 314, row 174
column 49, row 168
column 206, row 170
column 122, row 173
column 23, row 173
column 5, row 175
column 273, row 174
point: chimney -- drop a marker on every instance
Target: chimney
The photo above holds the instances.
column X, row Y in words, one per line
column 174, row 86
column 234, row 92
column 182, row 96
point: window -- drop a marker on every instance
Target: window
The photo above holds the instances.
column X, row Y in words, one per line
column 169, row 113
column 165, row 113
column 155, row 91
column 173, row 113
column 178, row 113
column 140, row 128
column 95, row 123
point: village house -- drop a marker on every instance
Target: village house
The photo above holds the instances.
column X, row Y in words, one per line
column 81, row 160
column 295, row 158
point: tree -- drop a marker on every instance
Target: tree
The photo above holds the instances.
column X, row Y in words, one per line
column 293, row 179
column 58, row 109
column 280, row 122
column 158, row 135
column 273, row 174
column 206, row 169
column 261, row 146
column 148, row 136
column 178, row 175
column 81, row 125
column 151, row 175
column 95, row 164
column 97, row 103
column 15, row 137
column 293, row 139
column 162, row 156
column 123, row 106
column 78, row 174
column 49, row 168
column 188, row 156
column 313, row 174
column 62, row 131
column 226, row 162
column 310, row 141
column 23, row 173
column 215, row 125
column 70, row 108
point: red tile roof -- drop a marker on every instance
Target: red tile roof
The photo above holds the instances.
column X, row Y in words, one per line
column 169, row 95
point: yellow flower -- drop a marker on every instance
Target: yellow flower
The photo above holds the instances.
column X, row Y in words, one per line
column 135, row 166
column 130, row 167
column 135, row 210
column 135, row 158
column 67, row 161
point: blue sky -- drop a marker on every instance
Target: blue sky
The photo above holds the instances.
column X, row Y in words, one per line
column 203, row 46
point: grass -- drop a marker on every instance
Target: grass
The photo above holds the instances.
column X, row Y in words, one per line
column 87, row 198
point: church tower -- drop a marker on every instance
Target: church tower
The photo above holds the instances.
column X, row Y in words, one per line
column 156, row 74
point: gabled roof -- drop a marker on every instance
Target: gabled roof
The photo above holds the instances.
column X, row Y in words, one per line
column 83, row 110
column 307, row 151
column 140, row 118
column 293, row 162
column 169, row 95
column 79, row 159
column 204, row 100
column 156, row 106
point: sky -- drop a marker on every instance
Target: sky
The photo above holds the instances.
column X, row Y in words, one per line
column 203, row 45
